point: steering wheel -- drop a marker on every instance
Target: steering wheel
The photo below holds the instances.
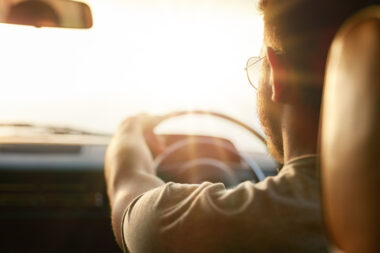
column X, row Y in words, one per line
column 200, row 169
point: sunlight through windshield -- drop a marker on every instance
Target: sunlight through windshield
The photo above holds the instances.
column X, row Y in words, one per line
column 152, row 56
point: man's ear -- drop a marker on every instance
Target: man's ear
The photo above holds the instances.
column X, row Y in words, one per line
column 278, row 66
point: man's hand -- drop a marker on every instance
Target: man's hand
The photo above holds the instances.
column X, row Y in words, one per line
column 128, row 147
column 134, row 142
column 129, row 167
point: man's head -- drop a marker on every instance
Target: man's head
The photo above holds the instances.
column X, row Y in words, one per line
column 297, row 36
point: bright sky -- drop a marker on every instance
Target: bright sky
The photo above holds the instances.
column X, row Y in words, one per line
column 141, row 55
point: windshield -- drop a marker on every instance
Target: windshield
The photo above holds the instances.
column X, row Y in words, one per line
column 153, row 56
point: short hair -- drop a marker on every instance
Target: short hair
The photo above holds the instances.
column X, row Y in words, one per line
column 303, row 31
column 293, row 24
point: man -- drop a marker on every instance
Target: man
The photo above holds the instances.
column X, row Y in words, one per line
column 280, row 214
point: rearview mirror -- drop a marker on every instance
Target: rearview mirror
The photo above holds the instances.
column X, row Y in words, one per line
column 46, row 13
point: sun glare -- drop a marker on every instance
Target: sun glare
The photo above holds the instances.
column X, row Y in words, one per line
column 153, row 56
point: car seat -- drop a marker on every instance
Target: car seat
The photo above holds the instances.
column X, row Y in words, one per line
column 350, row 135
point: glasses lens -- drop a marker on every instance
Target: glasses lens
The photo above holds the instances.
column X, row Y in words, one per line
column 253, row 69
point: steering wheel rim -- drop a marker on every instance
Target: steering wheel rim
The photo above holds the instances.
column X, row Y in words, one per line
column 259, row 174
column 215, row 114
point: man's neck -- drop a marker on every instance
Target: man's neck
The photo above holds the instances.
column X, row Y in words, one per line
column 300, row 132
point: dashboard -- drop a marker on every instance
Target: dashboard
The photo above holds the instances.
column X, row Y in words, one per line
column 53, row 199
column 53, row 196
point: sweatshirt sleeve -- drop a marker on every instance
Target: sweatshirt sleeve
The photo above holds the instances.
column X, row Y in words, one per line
column 279, row 214
column 189, row 218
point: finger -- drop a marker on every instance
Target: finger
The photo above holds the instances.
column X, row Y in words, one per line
column 155, row 142
column 135, row 123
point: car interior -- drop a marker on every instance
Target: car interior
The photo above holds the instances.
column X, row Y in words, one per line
column 52, row 189
column 350, row 187
column 56, row 188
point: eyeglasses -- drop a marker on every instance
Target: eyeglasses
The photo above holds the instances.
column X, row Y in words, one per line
column 253, row 69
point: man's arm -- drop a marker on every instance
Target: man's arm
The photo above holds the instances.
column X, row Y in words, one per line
column 129, row 169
